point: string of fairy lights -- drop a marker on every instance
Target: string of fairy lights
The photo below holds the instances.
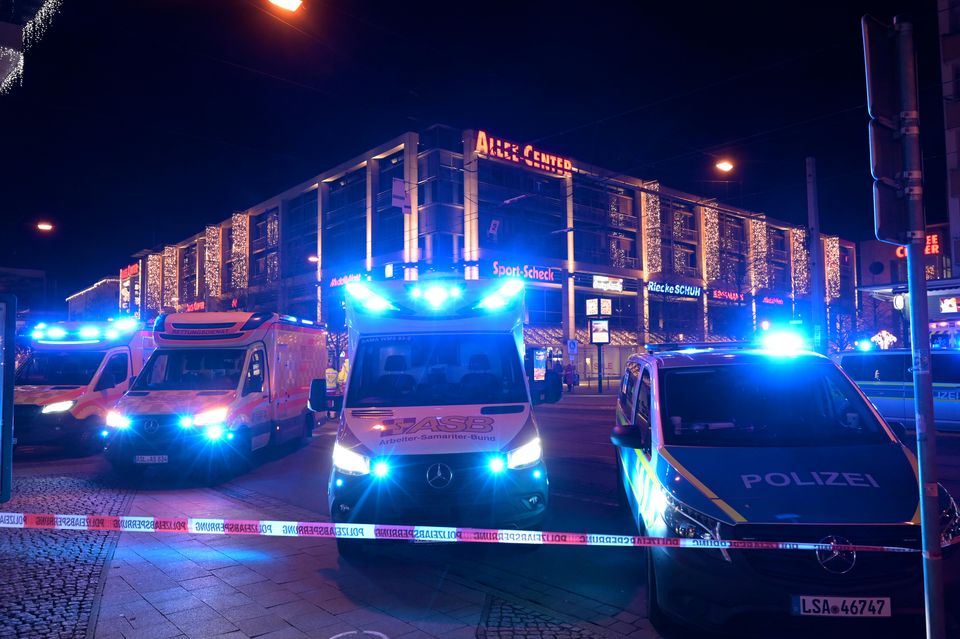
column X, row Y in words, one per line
column 171, row 280
column 800, row 256
column 32, row 32
column 831, row 261
column 239, row 251
column 652, row 228
column 711, row 243
column 154, row 281
column 760, row 268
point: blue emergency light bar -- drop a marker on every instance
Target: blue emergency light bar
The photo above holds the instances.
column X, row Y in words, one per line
column 86, row 334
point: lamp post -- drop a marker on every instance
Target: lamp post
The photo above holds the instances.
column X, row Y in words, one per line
column 287, row 5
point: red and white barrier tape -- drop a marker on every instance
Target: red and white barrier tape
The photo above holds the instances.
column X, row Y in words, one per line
column 270, row 528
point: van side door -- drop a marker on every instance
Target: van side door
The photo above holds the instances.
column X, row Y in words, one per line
column 255, row 395
column 946, row 390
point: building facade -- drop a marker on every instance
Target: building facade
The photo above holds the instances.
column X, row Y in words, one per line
column 98, row 301
column 674, row 266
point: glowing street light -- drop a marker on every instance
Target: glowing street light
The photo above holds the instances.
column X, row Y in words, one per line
column 289, row 5
column 313, row 259
column 46, row 227
column 724, row 165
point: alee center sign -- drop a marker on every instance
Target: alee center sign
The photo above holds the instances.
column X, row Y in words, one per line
column 491, row 147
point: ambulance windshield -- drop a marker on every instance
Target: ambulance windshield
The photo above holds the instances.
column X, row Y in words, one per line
column 774, row 403
column 437, row 370
column 192, row 369
column 59, row 368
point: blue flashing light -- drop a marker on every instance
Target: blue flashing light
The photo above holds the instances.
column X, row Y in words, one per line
column 41, row 325
column 765, row 325
column 111, row 333
column 104, row 433
column 125, row 324
column 214, row 433
column 511, row 287
column 496, row 465
column 782, row 342
column 371, row 301
column 455, row 292
column 493, row 302
column 37, row 334
column 89, row 332
column 499, row 298
column 416, row 293
column 376, row 304
column 229, row 435
column 436, row 296
column 864, row 345
column 339, row 483
column 185, row 422
column 537, row 474
column 307, row 322
column 56, row 333
column 381, row 469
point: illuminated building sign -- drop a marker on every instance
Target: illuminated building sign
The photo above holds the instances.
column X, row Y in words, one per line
column 491, row 147
column 948, row 305
column 130, row 290
column 932, row 247
column 344, row 280
column 729, row 296
column 772, row 299
column 603, row 283
column 527, row 272
column 678, row 290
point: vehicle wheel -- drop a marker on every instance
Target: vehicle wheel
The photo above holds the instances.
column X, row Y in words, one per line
column 654, row 612
column 351, row 547
column 309, row 422
column 622, row 500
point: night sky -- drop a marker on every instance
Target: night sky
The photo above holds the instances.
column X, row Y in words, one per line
column 139, row 122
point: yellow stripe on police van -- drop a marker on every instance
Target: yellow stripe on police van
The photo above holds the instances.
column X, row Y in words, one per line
column 722, row 505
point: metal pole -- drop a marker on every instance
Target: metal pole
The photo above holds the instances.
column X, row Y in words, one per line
column 599, row 369
column 920, row 336
column 818, row 294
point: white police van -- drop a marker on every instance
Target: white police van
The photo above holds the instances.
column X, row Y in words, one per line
column 436, row 426
column 738, row 444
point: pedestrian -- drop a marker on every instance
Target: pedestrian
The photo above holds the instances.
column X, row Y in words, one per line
column 330, row 377
column 569, row 375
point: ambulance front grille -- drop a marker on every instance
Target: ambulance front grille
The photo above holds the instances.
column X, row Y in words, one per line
column 370, row 413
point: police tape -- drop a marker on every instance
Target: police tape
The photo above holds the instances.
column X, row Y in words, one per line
column 439, row 534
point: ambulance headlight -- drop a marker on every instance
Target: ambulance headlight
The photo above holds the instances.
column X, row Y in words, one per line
column 347, row 461
column 214, row 433
column 58, row 407
column 209, row 417
column 527, row 455
column 116, row 420
column 949, row 519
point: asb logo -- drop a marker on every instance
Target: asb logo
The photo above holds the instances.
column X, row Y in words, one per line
column 449, row 424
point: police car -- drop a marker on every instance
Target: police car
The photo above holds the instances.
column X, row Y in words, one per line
column 768, row 445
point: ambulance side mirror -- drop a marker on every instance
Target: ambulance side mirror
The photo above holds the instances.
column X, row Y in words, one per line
column 317, row 401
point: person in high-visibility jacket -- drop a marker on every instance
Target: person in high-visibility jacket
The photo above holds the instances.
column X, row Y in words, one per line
column 342, row 375
column 330, row 379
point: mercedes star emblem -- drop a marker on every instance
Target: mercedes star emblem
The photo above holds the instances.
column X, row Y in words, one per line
column 839, row 562
column 439, row 475
column 151, row 426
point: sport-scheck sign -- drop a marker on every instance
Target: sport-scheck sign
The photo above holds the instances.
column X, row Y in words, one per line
column 491, row 147
column 526, row 271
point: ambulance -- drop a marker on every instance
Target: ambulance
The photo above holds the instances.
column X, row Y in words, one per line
column 219, row 387
column 73, row 376
column 437, row 425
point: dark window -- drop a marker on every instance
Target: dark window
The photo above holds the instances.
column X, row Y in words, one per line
column 876, row 367
column 642, row 415
column 946, row 368
column 628, row 389
column 255, row 374
column 114, row 373
column 192, row 369
column 51, row 368
column 769, row 403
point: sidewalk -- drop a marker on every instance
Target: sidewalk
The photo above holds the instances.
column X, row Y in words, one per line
column 178, row 585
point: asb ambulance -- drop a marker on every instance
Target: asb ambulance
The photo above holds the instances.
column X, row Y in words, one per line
column 436, row 426
column 218, row 387
column 74, row 375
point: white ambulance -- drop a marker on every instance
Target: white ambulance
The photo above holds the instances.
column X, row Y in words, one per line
column 74, row 374
column 218, row 387
column 436, row 426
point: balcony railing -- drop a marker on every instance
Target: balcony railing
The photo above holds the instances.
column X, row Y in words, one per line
column 604, row 257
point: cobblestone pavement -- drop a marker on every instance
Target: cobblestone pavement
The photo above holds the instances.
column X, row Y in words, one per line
column 50, row 580
column 506, row 620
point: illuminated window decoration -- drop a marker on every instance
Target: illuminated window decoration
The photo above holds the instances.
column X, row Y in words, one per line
column 618, row 255
column 170, row 280
column 711, row 242
column 679, row 257
column 760, row 269
column 831, row 261
column 13, row 60
column 930, row 272
column 800, row 261
column 239, row 251
column 154, row 281
column 654, row 233
column 273, row 267
column 884, row 339
column 273, row 228
column 212, row 261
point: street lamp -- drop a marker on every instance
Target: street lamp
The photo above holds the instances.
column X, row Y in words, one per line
column 45, row 227
column 288, row 5
column 313, row 259
column 724, row 165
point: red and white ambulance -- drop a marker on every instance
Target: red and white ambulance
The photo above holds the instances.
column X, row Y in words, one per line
column 74, row 375
column 218, row 387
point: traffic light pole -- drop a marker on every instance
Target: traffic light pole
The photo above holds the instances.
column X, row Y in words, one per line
column 920, row 335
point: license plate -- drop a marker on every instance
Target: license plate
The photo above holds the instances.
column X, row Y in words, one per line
column 150, row 459
column 816, row 606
